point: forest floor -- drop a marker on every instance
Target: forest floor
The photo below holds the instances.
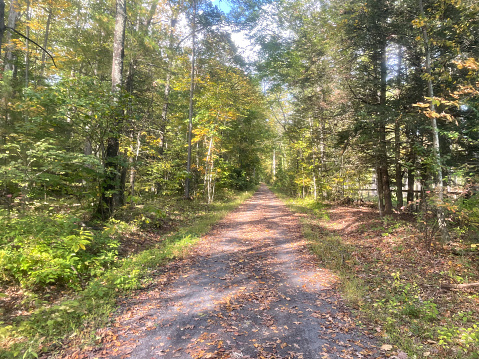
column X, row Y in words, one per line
column 250, row 289
column 398, row 274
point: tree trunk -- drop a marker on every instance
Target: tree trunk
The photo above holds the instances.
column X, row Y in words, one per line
column 166, row 96
column 322, row 152
column 2, row 24
column 209, row 172
column 27, row 52
column 12, row 20
column 190, row 117
column 131, row 160
column 3, row 119
column 118, row 46
column 151, row 13
column 379, row 188
column 322, row 157
column 341, row 175
column 397, row 141
column 112, row 189
column 410, row 187
column 388, row 206
column 435, row 135
column 132, row 164
column 383, row 156
column 411, row 168
column 45, row 39
column 274, row 164
column 397, row 160
column 123, row 175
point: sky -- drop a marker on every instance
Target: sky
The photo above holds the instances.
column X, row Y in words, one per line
column 245, row 46
column 223, row 5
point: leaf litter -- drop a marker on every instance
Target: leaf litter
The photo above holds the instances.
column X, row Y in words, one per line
column 250, row 289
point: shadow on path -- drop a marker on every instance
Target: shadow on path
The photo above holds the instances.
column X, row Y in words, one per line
column 250, row 289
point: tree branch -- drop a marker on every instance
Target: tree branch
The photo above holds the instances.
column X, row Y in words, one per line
column 362, row 99
column 27, row 38
column 459, row 286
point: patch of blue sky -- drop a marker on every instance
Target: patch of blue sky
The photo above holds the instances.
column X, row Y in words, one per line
column 223, row 5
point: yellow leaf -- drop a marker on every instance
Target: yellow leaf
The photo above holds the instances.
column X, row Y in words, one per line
column 421, row 104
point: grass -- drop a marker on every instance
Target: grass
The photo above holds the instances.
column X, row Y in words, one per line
column 75, row 316
column 392, row 279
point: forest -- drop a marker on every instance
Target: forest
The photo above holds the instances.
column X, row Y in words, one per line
column 128, row 127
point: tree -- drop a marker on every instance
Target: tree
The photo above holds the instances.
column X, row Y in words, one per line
column 112, row 191
column 192, row 91
column 2, row 23
column 435, row 134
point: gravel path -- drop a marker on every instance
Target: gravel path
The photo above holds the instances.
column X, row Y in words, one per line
column 250, row 289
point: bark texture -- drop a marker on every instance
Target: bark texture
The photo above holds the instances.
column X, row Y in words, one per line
column 2, row 24
column 435, row 137
column 112, row 193
column 11, row 22
column 192, row 89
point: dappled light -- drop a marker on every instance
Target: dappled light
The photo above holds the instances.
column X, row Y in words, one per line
column 250, row 289
column 129, row 129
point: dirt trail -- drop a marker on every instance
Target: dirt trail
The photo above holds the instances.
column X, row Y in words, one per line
column 249, row 290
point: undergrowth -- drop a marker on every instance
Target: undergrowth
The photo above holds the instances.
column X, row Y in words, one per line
column 393, row 280
column 38, row 250
column 85, row 266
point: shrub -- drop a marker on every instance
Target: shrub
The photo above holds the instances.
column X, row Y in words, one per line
column 37, row 251
column 469, row 211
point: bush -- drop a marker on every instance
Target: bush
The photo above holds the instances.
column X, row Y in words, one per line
column 469, row 212
column 37, row 251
